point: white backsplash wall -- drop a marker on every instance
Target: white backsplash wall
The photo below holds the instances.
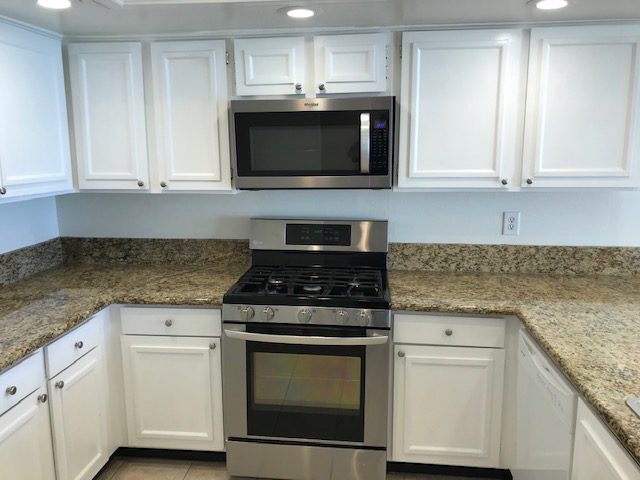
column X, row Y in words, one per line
column 26, row 223
column 585, row 218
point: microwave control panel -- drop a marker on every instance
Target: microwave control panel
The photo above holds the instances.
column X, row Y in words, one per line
column 380, row 143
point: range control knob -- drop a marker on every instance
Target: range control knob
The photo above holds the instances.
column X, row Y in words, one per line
column 304, row 315
column 364, row 318
column 342, row 317
column 247, row 313
column 268, row 314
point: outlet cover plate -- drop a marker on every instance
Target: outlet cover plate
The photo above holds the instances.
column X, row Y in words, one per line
column 511, row 223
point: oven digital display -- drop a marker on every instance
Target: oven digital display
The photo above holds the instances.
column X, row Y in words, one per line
column 316, row 234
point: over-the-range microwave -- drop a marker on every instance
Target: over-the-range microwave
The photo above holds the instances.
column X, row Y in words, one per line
column 313, row 143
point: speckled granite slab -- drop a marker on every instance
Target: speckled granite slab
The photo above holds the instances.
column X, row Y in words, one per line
column 156, row 251
column 514, row 259
column 23, row 263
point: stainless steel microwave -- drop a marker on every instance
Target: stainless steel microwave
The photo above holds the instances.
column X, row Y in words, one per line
column 313, row 143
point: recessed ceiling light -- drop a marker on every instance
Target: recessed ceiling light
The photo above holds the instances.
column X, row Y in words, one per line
column 551, row 4
column 55, row 4
column 297, row 12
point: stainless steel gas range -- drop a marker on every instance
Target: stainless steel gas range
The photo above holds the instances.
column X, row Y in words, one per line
column 306, row 353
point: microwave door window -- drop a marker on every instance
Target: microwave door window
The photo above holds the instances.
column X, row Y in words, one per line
column 325, row 143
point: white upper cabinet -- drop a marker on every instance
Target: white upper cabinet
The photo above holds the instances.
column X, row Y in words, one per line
column 191, row 115
column 270, row 66
column 460, row 109
column 351, row 63
column 34, row 132
column 109, row 115
column 582, row 126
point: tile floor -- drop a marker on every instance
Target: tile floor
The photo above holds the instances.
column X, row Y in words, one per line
column 121, row 468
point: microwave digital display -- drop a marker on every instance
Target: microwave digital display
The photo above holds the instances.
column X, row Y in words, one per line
column 311, row 234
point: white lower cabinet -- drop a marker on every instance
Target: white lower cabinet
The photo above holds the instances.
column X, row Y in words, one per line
column 448, row 397
column 25, row 440
column 173, row 392
column 597, row 455
column 79, row 420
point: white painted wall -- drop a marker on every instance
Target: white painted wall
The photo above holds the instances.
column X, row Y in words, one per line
column 28, row 222
column 580, row 218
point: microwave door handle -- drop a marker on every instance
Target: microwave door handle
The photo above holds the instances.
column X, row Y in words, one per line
column 301, row 340
column 365, row 141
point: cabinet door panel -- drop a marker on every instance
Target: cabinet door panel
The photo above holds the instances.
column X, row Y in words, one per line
column 351, row 63
column 109, row 115
column 448, row 403
column 25, row 441
column 34, row 135
column 173, row 392
column 269, row 66
column 597, row 454
column 582, row 110
column 78, row 416
column 190, row 92
column 460, row 105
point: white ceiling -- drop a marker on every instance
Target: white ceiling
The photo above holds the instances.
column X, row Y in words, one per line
column 188, row 17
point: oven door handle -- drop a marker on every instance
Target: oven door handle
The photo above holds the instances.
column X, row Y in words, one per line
column 365, row 141
column 301, row 340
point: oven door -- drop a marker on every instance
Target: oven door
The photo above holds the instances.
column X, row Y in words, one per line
column 326, row 385
column 311, row 149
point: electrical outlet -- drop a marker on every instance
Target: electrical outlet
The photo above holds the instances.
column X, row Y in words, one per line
column 511, row 223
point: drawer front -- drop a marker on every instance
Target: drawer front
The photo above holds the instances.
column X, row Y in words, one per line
column 188, row 322
column 449, row 330
column 21, row 380
column 74, row 345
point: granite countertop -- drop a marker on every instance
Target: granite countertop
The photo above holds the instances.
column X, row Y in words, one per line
column 590, row 325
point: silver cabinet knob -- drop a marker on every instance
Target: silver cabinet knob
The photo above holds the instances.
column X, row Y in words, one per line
column 168, row 322
column 268, row 314
column 60, row 384
column 212, row 346
column 43, row 398
column 364, row 318
column 529, row 181
column 342, row 317
column 304, row 315
column 298, row 87
column 322, row 87
column 504, row 181
column 247, row 313
column 448, row 332
column 79, row 344
column 401, row 354
column 140, row 183
column 163, row 184
column 12, row 390
column 3, row 190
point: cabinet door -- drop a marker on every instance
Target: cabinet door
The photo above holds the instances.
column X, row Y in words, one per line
column 447, row 405
column 270, row 66
column 190, row 99
column 582, row 126
column 78, row 406
column 109, row 118
column 34, row 131
column 597, row 454
column 25, row 440
column 460, row 109
column 173, row 392
column 351, row 63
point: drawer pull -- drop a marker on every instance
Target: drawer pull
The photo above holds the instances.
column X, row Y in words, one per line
column 448, row 332
column 401, row 354
column 43, row 398
column 212, row 346
column 60, row 384
column 168, row 323
column 79, row 344
column 12, row 390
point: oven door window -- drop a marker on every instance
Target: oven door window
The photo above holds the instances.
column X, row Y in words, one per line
column 306, row 391
column 298, row 143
